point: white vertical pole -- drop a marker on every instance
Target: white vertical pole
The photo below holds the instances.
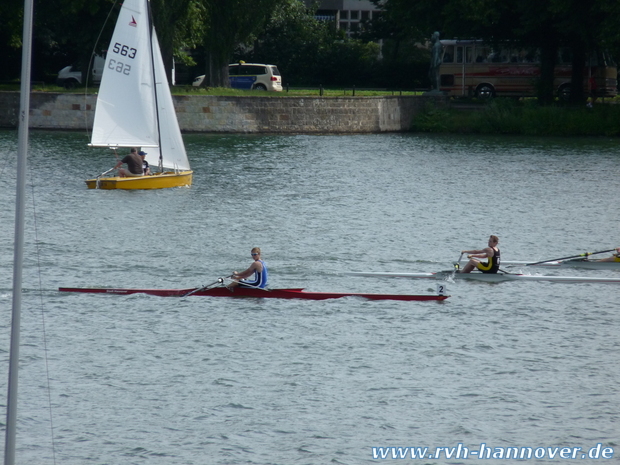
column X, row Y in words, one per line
column 22, row 153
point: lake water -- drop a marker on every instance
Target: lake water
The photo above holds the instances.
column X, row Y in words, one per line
column 137, row 379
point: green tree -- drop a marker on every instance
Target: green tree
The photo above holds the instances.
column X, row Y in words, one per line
column 180, row 26
column 69, row 29
column 404, row 62
column 11, row 21
column 582, row 25
column 294, row 40
column 230, row 22
column 312, row 52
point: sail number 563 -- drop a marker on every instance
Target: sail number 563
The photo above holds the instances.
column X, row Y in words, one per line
column 124, row 50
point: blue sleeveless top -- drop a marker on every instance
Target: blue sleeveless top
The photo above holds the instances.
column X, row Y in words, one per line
column 259, row 279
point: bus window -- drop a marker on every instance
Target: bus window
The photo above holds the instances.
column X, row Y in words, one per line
column 481, row 53
column 469, row 54
column 448, row 55
column 459, row 54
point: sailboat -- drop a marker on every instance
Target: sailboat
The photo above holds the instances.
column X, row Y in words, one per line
column 134, row 105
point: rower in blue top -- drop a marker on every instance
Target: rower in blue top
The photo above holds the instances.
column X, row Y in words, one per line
column 258, row 269
column 491, row 253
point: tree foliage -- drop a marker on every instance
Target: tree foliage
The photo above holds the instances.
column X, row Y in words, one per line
column 71, row 31
column 309, row 51
column 67, row 31
column 581, row 25
column 293, row 39
column 285, row 32
column 314, row 52
column 11, row 19
column 180, row 26
column 230, row 22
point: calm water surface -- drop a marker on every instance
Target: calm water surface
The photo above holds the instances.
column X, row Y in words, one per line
column 139, row 379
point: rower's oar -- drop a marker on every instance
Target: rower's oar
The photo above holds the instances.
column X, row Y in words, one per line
column 457, row 266
column 204, row 288
column 585, row 254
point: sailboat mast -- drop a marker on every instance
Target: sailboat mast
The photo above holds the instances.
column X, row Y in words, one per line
column 20, row 202
column 151, row 32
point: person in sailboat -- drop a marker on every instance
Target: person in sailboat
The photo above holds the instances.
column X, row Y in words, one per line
column 491, row 253
column 258, row 271
column 145, row 164
column 134, row 165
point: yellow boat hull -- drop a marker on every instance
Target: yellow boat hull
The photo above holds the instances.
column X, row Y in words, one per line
column 153, row 181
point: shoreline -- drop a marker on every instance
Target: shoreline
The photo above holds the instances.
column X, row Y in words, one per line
column 235, row 114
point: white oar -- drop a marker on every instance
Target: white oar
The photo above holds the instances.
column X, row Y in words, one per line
column 585, row 254
column 204, row 288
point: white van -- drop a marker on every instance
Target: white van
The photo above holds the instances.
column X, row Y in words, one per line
column 251, row 76
column 71, row 76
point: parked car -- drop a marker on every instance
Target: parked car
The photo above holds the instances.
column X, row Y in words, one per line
column 71, row 76
column 250, row 76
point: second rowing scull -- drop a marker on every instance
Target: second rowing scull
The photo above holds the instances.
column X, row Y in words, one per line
column 582, row 263
column 490, row 277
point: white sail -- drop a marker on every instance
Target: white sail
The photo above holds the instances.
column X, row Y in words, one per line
column 126, row 114
column 174, row 156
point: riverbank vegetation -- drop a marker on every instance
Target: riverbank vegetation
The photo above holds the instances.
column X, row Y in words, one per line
column 227, row 91
column 528, row 118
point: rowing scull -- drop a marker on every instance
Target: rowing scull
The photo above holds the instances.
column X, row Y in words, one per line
column 582, row 263
column 252, row 292
column 489, row 277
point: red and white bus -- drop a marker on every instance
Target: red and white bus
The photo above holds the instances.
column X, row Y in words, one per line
column 473, row 68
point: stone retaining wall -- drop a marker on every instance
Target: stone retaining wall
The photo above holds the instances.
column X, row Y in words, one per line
column 235, row 114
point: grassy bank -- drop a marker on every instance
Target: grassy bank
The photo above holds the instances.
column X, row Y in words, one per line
column 227, row 92
column 293, row 92
column 504, row 116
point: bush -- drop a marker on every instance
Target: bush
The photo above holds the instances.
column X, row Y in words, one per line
column 505, row 116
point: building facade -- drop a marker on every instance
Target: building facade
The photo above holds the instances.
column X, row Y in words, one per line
column 347, row 15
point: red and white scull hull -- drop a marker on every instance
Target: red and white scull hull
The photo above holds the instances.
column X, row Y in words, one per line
column 253, row 292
